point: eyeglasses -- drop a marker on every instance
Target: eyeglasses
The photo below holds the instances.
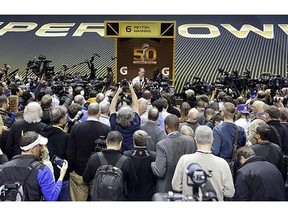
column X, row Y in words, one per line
column 255, row 131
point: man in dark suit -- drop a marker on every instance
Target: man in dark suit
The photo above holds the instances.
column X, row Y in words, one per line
column 80, row 146
column 168, row 152
column 141, row 159
column 155, row 132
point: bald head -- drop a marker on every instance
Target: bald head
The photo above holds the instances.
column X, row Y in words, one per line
column 153, row 114
column 143, row 104
column 93, row 109
column 193, row 115
column 100, row 97
column 79, row 99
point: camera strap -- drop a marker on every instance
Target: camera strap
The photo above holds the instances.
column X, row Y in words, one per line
column 235, row 144
column 278, row 135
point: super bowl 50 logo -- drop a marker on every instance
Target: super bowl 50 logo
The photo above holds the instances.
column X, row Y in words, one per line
column 144, row 55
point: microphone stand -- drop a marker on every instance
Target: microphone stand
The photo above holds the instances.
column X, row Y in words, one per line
column 73, row 66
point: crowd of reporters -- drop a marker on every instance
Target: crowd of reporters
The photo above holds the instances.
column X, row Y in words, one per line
column 158, row 138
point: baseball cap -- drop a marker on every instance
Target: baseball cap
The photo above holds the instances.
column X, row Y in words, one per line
column 243, row 108
column 40, row 140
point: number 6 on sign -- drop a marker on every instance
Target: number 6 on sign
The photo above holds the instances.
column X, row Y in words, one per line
column 128, row 28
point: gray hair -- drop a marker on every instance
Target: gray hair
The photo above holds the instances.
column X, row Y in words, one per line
column 245, row 151
column 186, row 130
column 100, row 97
column 125, row 116
column 104, row 106
column 140, row 138
column 57, row 114
column 33, row 112
column 252, row 128
column 143, row 103
column 203, row 135
column 189, row 92
column 79, row 99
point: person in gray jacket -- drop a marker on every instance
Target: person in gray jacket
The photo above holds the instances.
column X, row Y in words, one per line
column 168, row 152
column 154, row 132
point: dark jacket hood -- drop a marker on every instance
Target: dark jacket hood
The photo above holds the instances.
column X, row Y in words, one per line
column 51, row 131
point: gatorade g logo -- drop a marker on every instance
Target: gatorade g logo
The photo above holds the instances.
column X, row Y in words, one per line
column 144, row 55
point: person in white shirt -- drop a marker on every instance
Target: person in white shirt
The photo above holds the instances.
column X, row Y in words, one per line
column 140, row 78
column 244, row 120
column 104, row 116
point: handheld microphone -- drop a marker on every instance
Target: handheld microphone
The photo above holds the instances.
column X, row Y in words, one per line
column 78, row 116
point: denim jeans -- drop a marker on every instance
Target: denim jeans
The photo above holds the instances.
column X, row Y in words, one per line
column 65, row 193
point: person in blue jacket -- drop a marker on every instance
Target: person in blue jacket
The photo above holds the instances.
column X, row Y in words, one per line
column 40, row 183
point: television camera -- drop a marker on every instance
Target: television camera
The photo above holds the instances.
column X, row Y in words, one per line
column 198, row 86
column 40, row 66
column 124, row 83
column 234, row 84
column 197, row 178
column 159, row 86
column 100, row 144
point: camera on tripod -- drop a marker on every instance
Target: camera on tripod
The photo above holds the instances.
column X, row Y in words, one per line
column 198, row 86
column 41, row 66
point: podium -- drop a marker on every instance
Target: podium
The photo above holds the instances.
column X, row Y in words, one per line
column 147, row 44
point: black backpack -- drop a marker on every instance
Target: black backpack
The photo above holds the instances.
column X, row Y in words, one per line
column 15, row 190
column 108, row 183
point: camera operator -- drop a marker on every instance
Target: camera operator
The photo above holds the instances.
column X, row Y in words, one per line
column 222, row 178
column 127, row 119
column 108, row 80
column 157, row 75
column 190, row 98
